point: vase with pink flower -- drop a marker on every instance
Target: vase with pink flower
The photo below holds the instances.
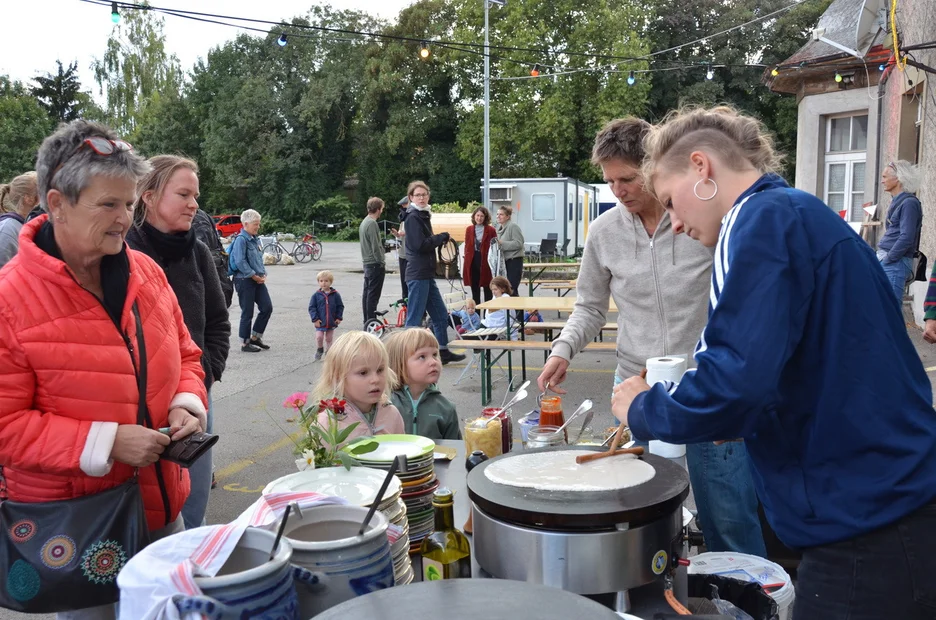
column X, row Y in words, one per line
column 321, row 436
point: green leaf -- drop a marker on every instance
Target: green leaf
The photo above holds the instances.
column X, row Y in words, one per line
column 347, row 460
column 343, row 434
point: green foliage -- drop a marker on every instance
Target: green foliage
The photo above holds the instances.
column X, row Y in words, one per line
column 136, row 71
column 23, row 125
column 454, row 207
column 60, row 93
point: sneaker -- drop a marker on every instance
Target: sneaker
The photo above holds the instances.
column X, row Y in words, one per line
column 447, row 356
column 318, row 354
column 259, row 343
column 248, row 347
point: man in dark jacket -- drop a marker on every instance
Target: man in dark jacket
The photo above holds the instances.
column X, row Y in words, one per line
column 207, row 233
column 421, row 247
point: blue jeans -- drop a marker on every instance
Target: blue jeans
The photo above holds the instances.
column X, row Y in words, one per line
column 193, row 511
column 897, row 274
column 724, row 496
column 887, row 573
column 248, row 294
column 424, row 295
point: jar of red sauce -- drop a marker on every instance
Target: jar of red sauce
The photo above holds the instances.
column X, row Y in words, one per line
column 551, row 412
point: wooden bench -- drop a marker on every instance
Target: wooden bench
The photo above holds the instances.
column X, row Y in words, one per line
column 508, row 347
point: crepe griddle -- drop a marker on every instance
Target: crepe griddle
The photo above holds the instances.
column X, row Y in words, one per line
column 581, row 510
column 469, row 599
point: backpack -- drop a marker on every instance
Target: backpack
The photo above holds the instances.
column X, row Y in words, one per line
column 232, row 268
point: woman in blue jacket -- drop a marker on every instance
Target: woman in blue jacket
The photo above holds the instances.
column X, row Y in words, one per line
column 807, row 359
column 904, row 222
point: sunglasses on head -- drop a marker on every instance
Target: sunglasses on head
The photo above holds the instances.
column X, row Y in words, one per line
column 100, row 145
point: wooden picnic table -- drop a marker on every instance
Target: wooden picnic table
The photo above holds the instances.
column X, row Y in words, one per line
column 535, row 270
column 506, row 347
column 556, row 304
column 562, row 288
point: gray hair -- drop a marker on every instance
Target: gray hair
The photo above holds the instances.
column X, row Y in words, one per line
column 908, row 174
column 79, row 166
column 249, row 216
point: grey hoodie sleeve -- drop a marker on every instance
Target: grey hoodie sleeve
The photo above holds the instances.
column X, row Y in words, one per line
column 593, row 293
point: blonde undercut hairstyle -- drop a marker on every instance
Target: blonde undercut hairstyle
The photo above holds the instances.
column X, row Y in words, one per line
column 341, row 357
column 400, row 347
column 737, row 140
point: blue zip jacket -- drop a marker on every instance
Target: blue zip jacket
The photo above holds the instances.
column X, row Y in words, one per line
column 806, row 357
column 327, row 308
column 245, row 258
column 904, row 220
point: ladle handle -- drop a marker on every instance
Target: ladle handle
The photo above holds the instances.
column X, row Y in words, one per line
column 380, row 494
column 594, row 456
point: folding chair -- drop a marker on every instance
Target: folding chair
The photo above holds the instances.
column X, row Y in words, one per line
column 474, row 362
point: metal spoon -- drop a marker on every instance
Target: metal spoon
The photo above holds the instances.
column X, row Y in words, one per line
column 507, row 393
column 588, row 419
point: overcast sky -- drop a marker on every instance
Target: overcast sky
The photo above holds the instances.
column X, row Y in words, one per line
column 36, row 33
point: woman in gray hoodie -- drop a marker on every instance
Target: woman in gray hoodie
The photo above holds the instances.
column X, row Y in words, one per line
column 660, row 283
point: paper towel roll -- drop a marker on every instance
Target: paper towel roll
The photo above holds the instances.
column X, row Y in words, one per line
column 660, row 369
column 670, row 368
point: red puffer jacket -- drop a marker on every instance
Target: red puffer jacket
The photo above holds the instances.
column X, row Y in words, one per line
column 67, row 380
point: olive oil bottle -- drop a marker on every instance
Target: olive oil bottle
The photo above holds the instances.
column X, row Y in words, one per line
column 446, row 553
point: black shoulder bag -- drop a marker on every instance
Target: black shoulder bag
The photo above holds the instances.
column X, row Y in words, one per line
column 65, row 555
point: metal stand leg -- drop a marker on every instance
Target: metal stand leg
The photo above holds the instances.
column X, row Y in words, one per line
column 622, row 602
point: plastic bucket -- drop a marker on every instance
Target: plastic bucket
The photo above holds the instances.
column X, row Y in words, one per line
column 750, row 568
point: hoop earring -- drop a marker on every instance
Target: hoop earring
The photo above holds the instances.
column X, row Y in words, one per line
column 695, row 189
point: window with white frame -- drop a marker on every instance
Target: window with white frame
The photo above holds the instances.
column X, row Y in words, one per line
column 845, row 164
column 543, row 207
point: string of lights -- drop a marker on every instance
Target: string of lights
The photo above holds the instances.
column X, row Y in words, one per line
column 466, row 47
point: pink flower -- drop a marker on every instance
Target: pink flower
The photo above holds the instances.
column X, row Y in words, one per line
column 296, row 401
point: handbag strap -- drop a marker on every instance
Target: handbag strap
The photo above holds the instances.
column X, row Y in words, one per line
column 141, row 370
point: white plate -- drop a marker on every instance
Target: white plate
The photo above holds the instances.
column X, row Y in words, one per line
column 388, row 447
column 359, row 485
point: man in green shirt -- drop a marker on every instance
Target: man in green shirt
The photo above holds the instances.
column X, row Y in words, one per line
column 372, row 253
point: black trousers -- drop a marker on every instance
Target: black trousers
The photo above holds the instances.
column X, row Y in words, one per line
column 887, row 573
column 373, row 287
column 475, row 278
column 403, row 278
column 514, row 268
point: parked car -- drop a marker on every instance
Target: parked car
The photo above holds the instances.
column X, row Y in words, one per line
column 228, row 225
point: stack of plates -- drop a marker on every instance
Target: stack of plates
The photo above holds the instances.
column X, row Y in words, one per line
column 419, row 480
column 359, row 486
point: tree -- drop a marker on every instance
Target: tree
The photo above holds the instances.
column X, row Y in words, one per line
column 136, row 74
column 23, row 125
column 60, row 93
column 546, row 126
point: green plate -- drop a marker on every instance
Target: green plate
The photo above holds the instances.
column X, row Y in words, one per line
column 391, row 446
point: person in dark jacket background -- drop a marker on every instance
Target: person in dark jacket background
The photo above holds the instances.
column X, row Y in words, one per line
column 207, row 233
column 421, row 247
column 805, row 357
column 904, row 222
column 326, row 309
column 401, row 245
column 165, row 209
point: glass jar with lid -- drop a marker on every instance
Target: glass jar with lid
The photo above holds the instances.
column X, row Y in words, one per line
column 544, row 437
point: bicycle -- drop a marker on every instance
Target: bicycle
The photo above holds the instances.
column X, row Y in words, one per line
column 380, row 327
column 301, row 253
column 315, row 245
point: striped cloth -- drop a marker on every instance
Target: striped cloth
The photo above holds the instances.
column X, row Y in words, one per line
column 929, row 304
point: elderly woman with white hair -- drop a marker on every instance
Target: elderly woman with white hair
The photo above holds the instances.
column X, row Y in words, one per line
column 904, row 222
column 246, row 264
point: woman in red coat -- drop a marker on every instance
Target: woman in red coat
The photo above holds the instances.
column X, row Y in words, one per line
column 69, row 349
column 476, row 272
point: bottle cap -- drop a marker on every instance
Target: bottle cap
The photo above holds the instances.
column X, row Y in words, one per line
column 443, row 496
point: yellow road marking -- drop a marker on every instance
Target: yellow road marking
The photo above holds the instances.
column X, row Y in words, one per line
column 238, row 466
column 930, row 369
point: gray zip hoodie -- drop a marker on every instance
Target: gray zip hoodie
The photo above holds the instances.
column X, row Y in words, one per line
column 660, row 286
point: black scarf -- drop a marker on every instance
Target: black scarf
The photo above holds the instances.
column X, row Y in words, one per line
column 115, row 272
column 170, row 246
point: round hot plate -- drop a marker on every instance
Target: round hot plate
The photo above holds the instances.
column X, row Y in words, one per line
column 469, row 599
column 572, row 510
